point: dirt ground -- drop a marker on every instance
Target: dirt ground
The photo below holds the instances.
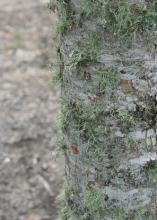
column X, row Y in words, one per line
column 29, row 177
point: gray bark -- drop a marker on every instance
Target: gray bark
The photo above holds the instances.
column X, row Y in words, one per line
column 109, row 107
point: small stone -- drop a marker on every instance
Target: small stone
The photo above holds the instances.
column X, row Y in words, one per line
column 7, row 160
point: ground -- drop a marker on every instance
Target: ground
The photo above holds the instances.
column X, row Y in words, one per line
column 30, row 178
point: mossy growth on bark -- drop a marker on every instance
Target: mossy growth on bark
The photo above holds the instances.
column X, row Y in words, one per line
column 93, row 201
column 151, row 169
column 87, row 51
column 67, row 18
column 130, row 20
column 120, row 18
column 144, row 213
column 108, row 108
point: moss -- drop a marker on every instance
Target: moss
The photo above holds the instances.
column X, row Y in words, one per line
column 79, row 113
column 93, row 200
column 55, row 69
column 122, row 19
column 88, row 52
column 61, row 146
column 82, row 58
column 151, row 172
column 125, row 118
column 124, row 115
column 66, row 194
column 62, row 27
column 56, row 76
column 118, row 214
column 148, row 112
column 67, row 16
column 130, row 20
column 130, row 143
column 109, row 78
column 61, row 122
column 144, row 213
column 64, row 198
column 82, row 118
column 85, row 120
column 90, row 111
column 69, row 214
column 68, row 109
column 66, row 213
column 89, row 7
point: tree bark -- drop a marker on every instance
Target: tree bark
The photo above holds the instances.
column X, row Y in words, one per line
column 109, row 108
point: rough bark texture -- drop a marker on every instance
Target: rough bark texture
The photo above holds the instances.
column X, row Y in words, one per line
column 109, row 86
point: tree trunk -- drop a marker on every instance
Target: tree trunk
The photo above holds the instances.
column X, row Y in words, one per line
column 109, row 108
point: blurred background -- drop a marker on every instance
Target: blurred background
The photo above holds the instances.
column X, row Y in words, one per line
column 29, row 177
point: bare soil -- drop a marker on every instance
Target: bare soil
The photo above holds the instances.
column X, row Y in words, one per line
column 29, row 177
